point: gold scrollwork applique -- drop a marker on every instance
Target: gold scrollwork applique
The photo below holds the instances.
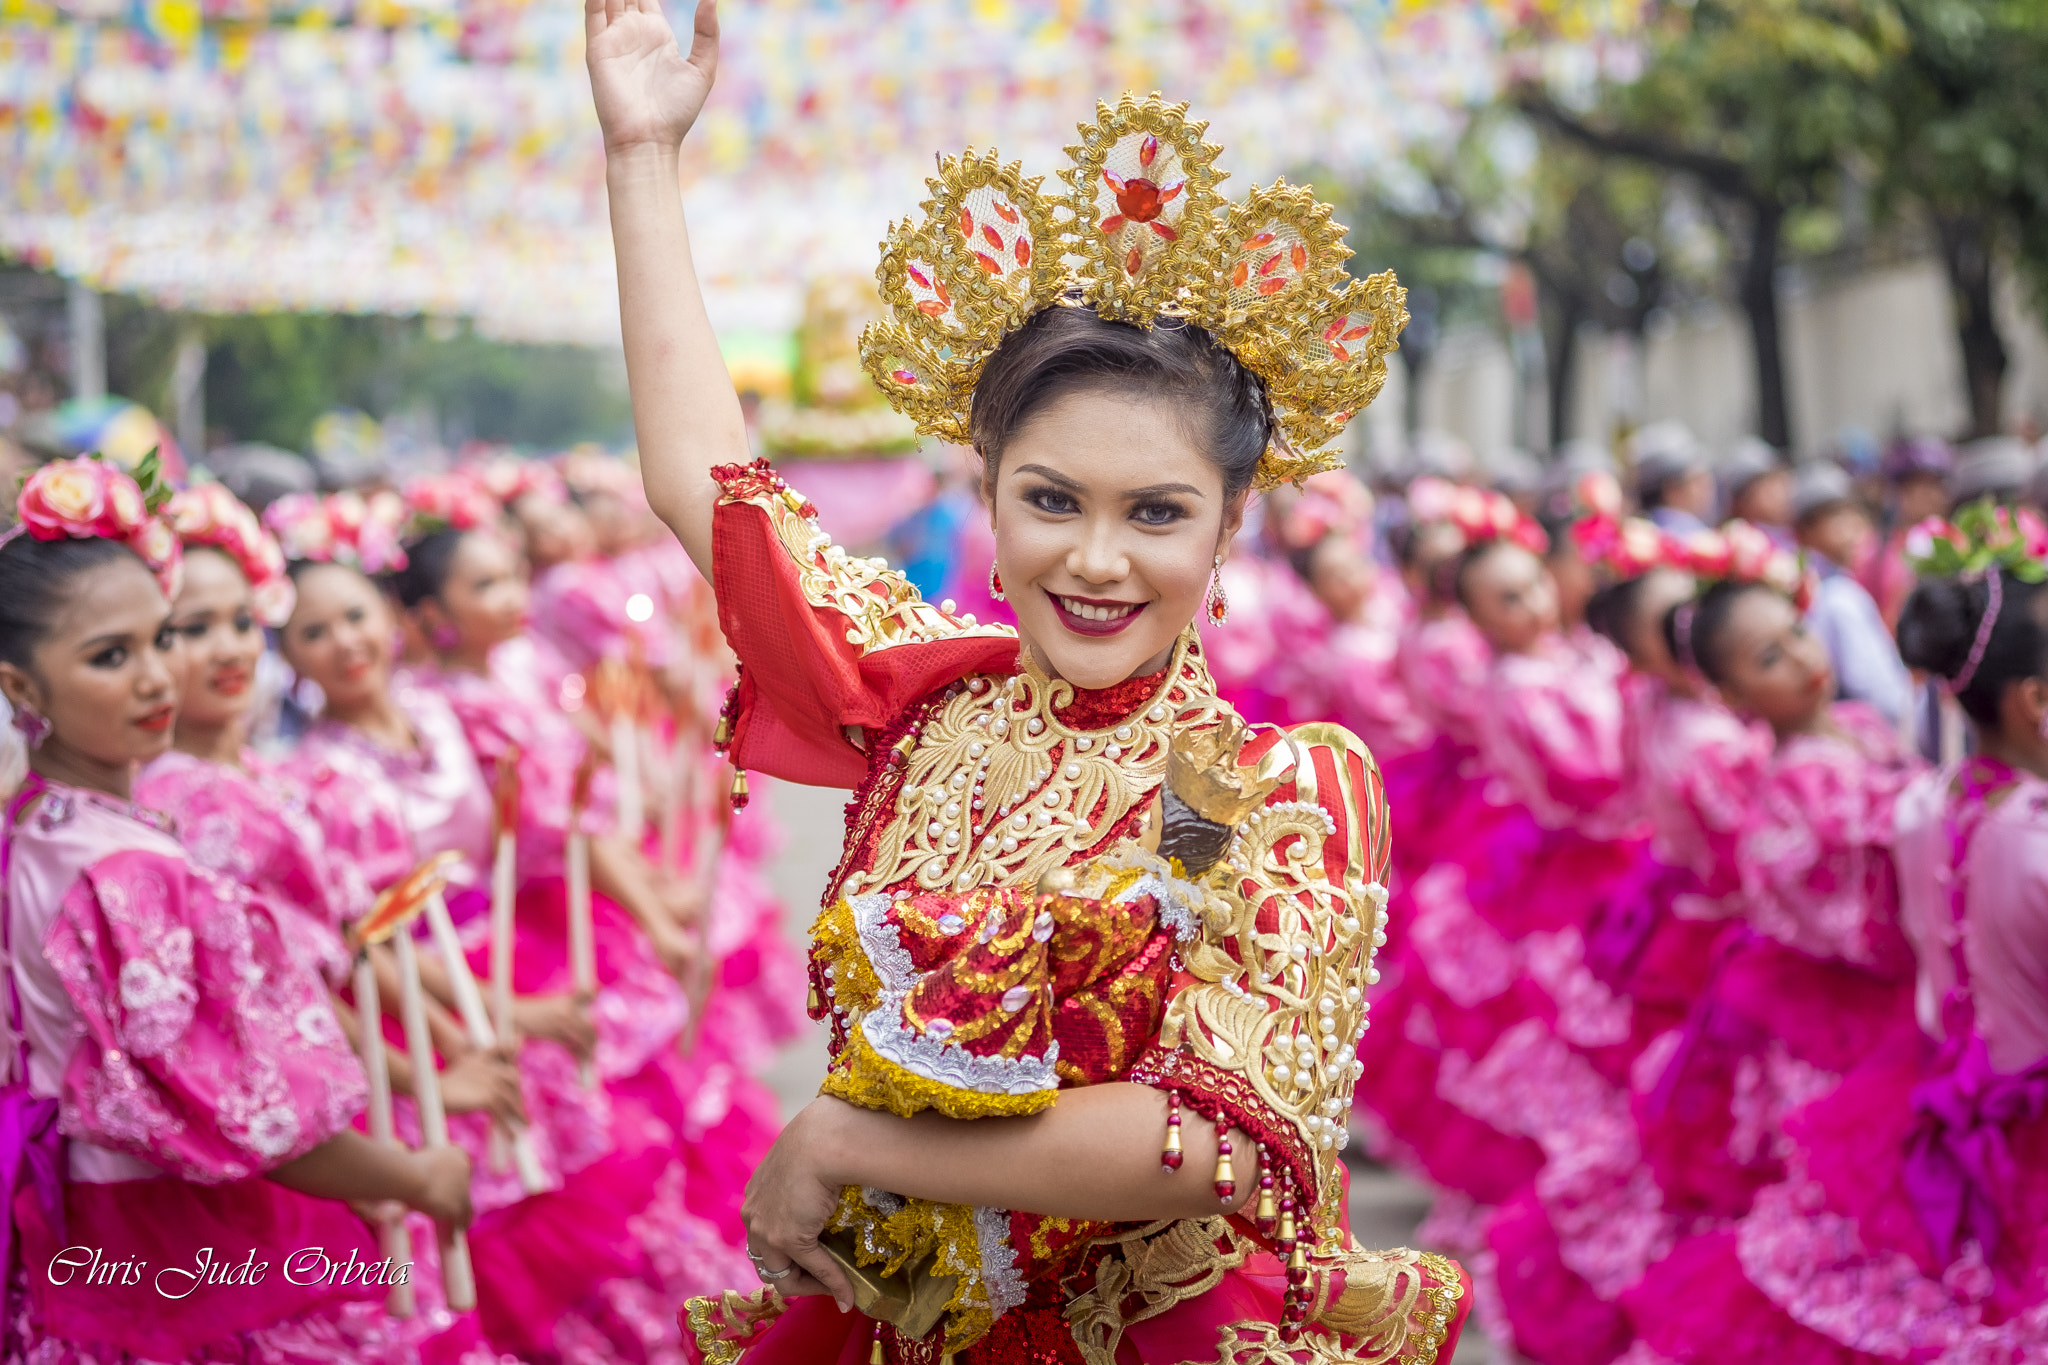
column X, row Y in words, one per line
column 998, row 790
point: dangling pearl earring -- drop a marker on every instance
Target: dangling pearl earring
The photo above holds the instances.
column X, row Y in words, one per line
column 1219, row 605
column 995, row 584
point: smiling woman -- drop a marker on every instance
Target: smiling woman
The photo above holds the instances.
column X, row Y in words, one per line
column 1088, row 929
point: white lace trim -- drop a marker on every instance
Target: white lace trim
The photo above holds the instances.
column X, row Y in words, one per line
column 886, row 953
column 895, row 1041
column 999, row 1273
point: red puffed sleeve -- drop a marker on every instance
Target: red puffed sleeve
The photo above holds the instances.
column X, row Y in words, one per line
column 826, row 641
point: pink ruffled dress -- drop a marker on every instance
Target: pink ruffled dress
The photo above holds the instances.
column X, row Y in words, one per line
column 1478, row 1073
column 1347, row 671
column 1592, row 1219
column 706, row 1107
column 249, row 824
column 168, row 1049
column 1913, row 1222
column 1817, row 987
column 589, row 1270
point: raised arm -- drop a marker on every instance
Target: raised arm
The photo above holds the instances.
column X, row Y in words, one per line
column 685, row 413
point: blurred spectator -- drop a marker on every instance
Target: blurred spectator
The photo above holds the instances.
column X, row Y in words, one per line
column 260, row 474
column 1996, row 466
column 1673, row 484
column 1757, row 487
column 1517, row 474
column 1833, row 526
column 1916, row 471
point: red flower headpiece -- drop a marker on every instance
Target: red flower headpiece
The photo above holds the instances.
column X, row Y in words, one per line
column 1480, row 514
column 456, row 500
column 1741, row 553
column 342, row 528
column 89, row 499
column 210, row 515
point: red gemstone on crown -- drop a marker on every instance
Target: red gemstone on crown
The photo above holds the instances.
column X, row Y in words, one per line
column 1140, row 200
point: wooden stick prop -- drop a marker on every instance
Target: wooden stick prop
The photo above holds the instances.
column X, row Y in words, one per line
column 504, row 903
column 391, row 1233
column 391, row 920
column 469, row 1003
column 582, row 934
column 710, row 849
column 625, row 741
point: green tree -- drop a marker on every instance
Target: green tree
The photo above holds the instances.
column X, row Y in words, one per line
column 1960, row 138
column 1760, row 102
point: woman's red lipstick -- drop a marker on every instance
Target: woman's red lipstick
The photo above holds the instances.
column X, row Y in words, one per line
column 157, row 721
column 231, row 682
column 1084, row 625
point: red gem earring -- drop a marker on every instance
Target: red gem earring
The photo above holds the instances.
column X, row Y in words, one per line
column 995, row 584
column 1218, row 604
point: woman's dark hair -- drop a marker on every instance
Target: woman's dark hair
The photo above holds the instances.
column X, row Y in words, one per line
column 1694, row 631
column 1612, row 606
column 1065, row 350
column 1938, row 629
column 427, row 562
column 35, row 578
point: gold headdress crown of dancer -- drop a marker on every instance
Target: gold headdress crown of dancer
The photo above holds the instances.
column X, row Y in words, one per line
column 1140, row 234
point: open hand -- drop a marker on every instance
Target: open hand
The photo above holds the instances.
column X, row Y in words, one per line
column 647, row 92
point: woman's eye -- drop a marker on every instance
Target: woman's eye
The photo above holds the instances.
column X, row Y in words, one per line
column 167, row 638
column 1051, row 500
column 1159, row 513
column 113, row 656
column 355, row 616
column 244, row 623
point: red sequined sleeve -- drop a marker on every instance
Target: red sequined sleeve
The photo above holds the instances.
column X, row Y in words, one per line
column 827, row 642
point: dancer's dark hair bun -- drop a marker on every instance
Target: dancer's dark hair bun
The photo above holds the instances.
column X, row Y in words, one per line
column 427, row 562
column 1938, row 629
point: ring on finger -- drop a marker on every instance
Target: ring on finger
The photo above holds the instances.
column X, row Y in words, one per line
column 773, row 1276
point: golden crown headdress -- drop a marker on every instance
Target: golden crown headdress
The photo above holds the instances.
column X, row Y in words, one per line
column 1140, row 234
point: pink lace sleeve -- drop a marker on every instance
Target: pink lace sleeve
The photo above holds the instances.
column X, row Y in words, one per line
column 1816, row 853
column 1556, row 736
column 205, row 1050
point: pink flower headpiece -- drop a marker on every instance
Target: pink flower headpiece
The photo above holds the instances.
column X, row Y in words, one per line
column 508, row 478
column 1480, row 514
column 209, row 515
column 341, row 528
column 1983, row 534
column 1742, row 553
column 88, row 499
column 1330, row 503
column 456, row 500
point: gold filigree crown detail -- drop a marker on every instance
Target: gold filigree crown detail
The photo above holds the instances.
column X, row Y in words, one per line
column 1139, row 234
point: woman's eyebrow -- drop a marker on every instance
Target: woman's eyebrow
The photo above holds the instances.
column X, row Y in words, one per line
column 100, row 642
column 1073, row 485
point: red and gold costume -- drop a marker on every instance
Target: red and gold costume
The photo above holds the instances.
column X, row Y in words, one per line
column 953, row 982
column 997, row 930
